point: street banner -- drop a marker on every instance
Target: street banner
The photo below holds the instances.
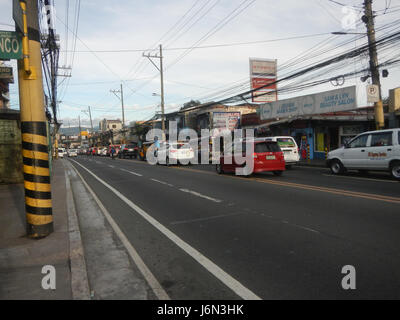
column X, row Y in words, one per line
column 263, row 75
column 325, row 102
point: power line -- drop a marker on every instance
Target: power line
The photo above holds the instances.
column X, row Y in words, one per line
column 208, row 46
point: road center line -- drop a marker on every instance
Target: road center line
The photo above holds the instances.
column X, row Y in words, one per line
column 342, row 192
column 210, row 266
column 359, row 178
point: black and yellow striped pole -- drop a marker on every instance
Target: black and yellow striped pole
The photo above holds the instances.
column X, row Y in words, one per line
column 35, row 153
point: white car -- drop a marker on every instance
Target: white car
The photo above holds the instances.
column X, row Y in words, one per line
column 72, row 153
column 61, row 152
column 103, row 152
column 288, row 146
column 175, row 152
column 373, row 150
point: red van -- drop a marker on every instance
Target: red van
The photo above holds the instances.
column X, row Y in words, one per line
column 267, row 156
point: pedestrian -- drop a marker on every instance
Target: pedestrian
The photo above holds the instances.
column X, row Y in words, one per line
column 156, row 146
column 112, row 152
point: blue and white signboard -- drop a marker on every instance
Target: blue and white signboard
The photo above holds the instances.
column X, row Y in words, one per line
column 325, row 102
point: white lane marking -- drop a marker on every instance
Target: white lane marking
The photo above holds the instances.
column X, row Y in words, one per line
column 111, row 166
column 220, row 274
column 162, row 182
column 98, row 162
column 131, row 172
column 205, row 219
column 359, row 178
column 300, row 227
column 200, row 195
column 148, row 275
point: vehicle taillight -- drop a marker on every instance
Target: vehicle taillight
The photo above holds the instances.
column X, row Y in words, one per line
column 173, row 150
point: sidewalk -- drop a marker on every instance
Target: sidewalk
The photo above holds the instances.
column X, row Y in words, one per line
column 90, row 262
column 21, row 258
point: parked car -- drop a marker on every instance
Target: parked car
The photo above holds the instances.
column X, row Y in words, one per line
column 177, row 152
column 373, row 150
column 61, row 152
column 72, row 153
column 128, row 150
column 267, row 156
column 289, row 148
column 103, row 152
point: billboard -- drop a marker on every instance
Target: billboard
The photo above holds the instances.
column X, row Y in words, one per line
column 325, row 102
column 225, row 120
column 263, row 74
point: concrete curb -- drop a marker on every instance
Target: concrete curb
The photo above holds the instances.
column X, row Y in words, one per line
column 79, row 277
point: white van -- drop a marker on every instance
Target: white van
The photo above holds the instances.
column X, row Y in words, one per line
column 289, row 148
column 373, row 150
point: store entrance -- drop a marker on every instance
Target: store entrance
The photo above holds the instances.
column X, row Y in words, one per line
column 333, row 138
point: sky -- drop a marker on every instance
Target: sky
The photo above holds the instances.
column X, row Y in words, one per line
column 130, row 28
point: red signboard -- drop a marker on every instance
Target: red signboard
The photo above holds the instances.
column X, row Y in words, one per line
column 263, row 82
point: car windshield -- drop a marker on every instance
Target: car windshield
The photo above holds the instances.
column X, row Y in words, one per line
column 269, row 146
column 286, row 142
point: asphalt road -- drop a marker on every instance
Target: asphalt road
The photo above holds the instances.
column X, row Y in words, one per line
column 269, row 237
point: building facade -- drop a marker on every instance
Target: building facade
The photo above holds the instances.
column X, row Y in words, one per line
column 113, row 125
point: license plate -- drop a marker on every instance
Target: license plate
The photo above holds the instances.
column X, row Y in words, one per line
column 270, row 157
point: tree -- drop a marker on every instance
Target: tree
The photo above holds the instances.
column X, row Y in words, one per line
column 191, row 103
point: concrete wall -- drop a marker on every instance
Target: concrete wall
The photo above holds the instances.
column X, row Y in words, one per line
column 10, row 150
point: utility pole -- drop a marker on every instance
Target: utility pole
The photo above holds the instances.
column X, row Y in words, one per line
column 80, row 131
column 91, row 122
column 122, row 104
column 160, row 56
column 35, row 153
column 121, row 97
column 368, row 19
